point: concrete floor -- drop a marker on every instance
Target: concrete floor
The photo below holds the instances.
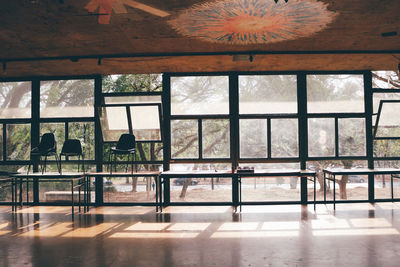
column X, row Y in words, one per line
column 291, row 235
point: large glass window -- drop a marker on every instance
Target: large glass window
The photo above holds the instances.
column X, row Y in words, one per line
column 184, row 139
column 253, row 138
column 267, row 94
column 199, row 95
column 335, row 93
column 67, row 98
column 15, row 100
column 18, row 141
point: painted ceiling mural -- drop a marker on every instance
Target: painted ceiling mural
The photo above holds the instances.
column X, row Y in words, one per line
column 253, row 21
column 106, row 7
column 234, row 21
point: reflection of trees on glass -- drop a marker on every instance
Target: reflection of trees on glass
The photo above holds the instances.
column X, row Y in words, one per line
column 199, row 95
column 18, row 141
column 66, row 98
column 216, row 138
column 15, row 100
column 253, row 138
column 284, row 138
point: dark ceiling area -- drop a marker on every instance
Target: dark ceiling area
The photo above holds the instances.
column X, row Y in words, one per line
column 83, row 37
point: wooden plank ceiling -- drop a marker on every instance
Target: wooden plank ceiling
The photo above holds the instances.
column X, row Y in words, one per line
column 80, row 37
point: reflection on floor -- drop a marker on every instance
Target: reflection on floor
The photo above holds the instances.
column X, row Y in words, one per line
column 292, row 235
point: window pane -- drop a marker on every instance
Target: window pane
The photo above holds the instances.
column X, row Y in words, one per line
column 386, row 79
column 146, row 122
column 210, row 189
column 377, row 97
column 321, row 137
column 132, row 83
column 184, row 139
column 335, row 93
column 253, row 138
column 114, row 122
column 216, row 138
column 200, row 95
column 386, row 148
column 1, row 141
column 130, row 189
column 382, row 182
column 18, row 141
column 389, row 120
column 15, row 100
column 267, row 94
column 284, row 138
column 352, row 137
column 83, row 131
column 132, row 99
column 58, row 129
column 271, row 188
column 66, row 98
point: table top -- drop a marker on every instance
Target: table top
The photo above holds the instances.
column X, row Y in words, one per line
column 50, row 175
column 188, row 174
column 278, row 172
column 361, row 171
column 123, row 174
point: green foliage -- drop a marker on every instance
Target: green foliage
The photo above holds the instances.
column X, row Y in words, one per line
column 132, row 83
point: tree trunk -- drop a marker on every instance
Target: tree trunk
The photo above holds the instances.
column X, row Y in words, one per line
column 185, row 187
column 134, row 184
column 347, row 164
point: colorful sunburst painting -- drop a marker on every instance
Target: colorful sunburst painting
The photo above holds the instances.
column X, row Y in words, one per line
column 253, row 21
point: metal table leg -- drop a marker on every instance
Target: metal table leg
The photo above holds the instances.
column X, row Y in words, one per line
column 334, row 192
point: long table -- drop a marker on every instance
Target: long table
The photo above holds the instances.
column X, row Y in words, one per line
column 307, row 174
column 154, row 174
column 239, row 175
column 77, row 180
column 331, row 173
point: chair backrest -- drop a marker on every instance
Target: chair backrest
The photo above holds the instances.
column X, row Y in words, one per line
column 126, row 142
column 47, row 142
column 72, row 146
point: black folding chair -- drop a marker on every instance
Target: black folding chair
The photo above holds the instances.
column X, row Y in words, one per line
column 126, row 146
column 46, row 148
column 73, row 148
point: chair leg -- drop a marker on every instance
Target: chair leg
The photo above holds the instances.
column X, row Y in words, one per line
column 109, row 162
column 57, row 162
column 115, row 162
column 83, row 163
column 60, row 164
column 44, row 166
